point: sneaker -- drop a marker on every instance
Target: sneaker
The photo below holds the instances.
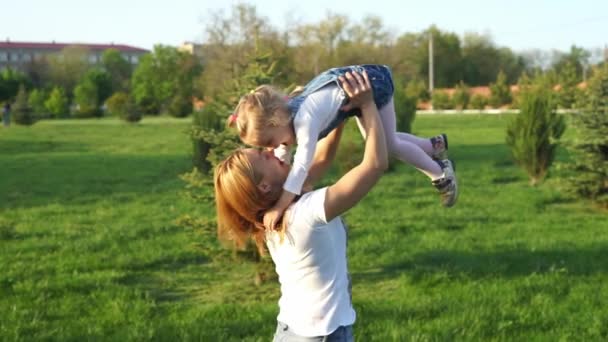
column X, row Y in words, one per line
column 447, row 185
column 440, row 147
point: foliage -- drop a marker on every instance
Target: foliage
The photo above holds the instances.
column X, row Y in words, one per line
column 568, row 92
column 180, row 105
column 160, row 76
column 417, row 89
column 532, row 135
column 122, row 105
column 102, row 81
column 22, row 113
column 478, row 101
column 118, row 68
column 67, row 67
column 405, row 110
column 589, row 166
column 10, row 81
column 211, row 142
column 86, row 100
column 482, row 60
column 461, row 96
column 576, row 60
column 57, row 103
column 36, row 102
column 441, row 100
column 500, row 91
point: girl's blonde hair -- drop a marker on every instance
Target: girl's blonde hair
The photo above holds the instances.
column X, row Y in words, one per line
column 240, row 204
column 265, row 106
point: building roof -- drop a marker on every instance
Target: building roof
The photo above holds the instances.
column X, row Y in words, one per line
column 59, row 46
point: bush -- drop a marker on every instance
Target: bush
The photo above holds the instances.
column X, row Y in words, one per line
column 441, row 100
column 22, row 113
column 461, row 96
column 36, row 102
column 405, row 110
column 180, row 106
column 86, row 100
column 122, row 105
column 210, row 142
column 501, row 93
column 478, row 101
column 532, row 134
column 590, row 150
column 57, row 103
column 418, row 90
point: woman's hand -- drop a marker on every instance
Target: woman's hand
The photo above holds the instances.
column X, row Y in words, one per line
column 358, row 88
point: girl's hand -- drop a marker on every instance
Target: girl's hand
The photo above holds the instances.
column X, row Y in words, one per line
column 358, row 88
column 271, row 218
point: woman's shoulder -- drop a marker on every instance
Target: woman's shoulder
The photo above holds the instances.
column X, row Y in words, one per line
column 309, row 209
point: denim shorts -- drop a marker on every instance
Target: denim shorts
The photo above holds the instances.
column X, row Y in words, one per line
column 382, row 85
column 342, row 334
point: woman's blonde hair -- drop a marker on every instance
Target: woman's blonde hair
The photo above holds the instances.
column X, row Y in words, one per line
column 265, row 106
column 240, row 204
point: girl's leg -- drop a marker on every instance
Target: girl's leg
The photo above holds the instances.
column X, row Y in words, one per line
column 424, row 143
column 406, row 149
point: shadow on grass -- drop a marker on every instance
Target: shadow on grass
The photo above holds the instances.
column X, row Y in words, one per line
column 87, row 178
column 18, row 147
column 158, row 276
column 505, row 264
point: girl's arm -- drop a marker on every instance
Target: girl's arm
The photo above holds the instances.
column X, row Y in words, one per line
column 324, row 155
column 355, row 184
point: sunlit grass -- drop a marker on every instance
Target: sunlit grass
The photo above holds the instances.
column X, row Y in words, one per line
column 91, row 248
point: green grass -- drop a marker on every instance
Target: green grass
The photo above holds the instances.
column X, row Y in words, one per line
column 91, row 248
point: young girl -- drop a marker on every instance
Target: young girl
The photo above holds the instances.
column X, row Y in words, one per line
column 267, row 118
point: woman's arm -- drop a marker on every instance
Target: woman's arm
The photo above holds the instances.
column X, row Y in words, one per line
column 324, row 155
column 356, row 183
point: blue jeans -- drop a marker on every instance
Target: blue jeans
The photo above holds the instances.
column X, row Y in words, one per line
column 342, row 334
column 6, row 118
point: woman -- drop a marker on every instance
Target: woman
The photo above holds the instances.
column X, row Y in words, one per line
column 309, row 248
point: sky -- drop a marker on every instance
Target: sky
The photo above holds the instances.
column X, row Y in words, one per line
column 518, row 24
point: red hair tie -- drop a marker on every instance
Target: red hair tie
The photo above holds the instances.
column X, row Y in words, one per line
column 233, row 117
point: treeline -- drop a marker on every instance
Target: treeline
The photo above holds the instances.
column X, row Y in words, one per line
column 166, row 80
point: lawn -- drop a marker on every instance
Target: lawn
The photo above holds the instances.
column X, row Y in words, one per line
column 98, row 241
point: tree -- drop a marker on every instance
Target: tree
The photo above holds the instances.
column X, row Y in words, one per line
column 67, row 67
column 86, row 100
column 102, row 81
column 447, row 55
column 231, row 38
column 57, row 103
column 118, row 68
column 589, row 149
column 36, row 102
column 10, row 82
column 22, row 113
column 532, row 134
column 480, row 58
column 500, row 91
column 160, row 76
column 577, row 57
column 568, row 90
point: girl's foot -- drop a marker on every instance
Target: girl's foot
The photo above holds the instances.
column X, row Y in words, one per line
column 447, row 185
column 440, row 147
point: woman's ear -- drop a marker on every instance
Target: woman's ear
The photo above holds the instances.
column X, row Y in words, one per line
column 264, row 187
